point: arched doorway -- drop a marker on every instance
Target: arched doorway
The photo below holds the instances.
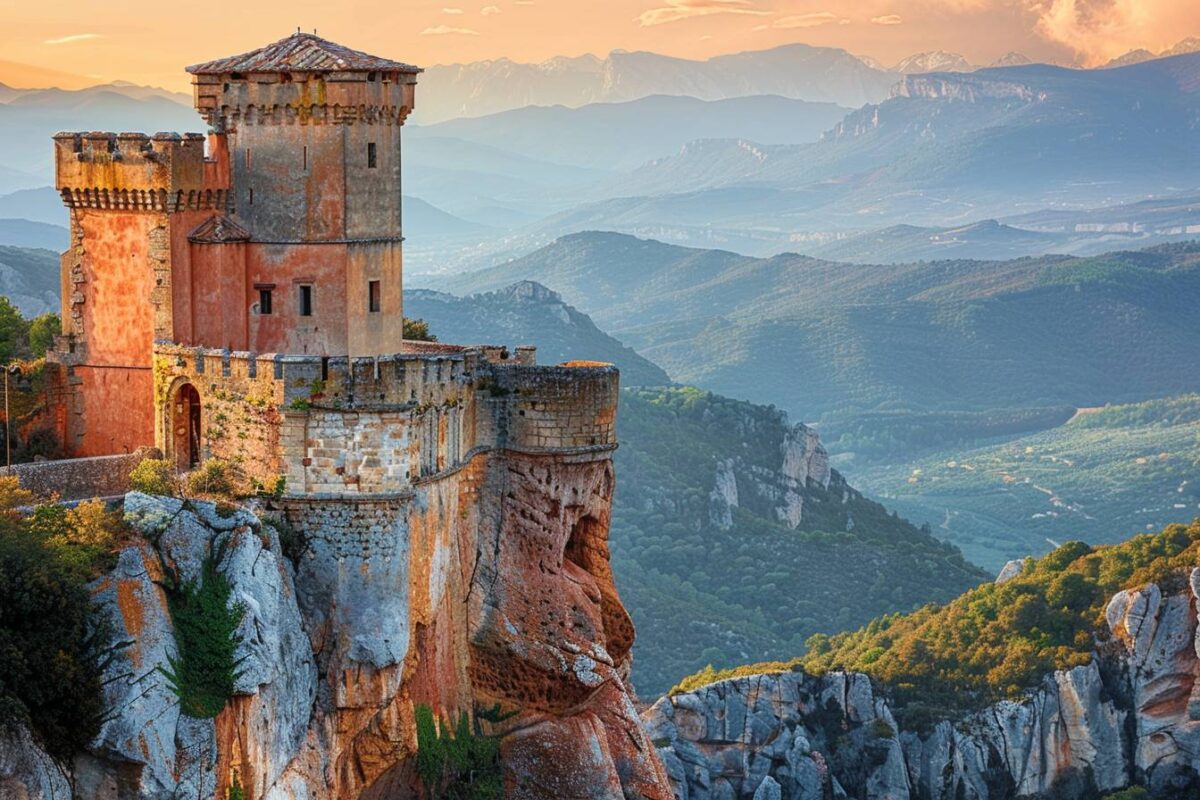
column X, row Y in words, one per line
column 186, row 428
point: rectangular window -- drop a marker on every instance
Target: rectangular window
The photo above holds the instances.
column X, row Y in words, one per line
column 306, row 301
column 264, row 301
column 247, row 158
column 371, row 155
column 373, row 296
column 251, row 197
column 306, row 157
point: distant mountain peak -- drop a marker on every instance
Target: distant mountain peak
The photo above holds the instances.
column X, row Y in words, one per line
column 1132, row 57
column 531, row 291
column 933, row 61
column 1012, row 59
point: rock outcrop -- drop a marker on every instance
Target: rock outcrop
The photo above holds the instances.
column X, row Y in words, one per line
column 381, row 605
column 1131, row 716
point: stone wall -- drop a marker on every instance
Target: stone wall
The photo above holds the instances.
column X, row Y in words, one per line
column 80, row 478
column 332, row 426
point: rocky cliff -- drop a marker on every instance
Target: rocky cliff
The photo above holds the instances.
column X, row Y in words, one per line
column 1131, row 716
column 378, row 607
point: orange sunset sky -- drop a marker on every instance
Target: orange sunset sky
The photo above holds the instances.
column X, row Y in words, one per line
column 88, row 41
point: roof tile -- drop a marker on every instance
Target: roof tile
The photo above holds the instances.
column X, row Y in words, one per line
column 301, row 52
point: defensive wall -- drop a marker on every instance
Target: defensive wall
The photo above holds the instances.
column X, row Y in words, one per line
column 80, row 478
column 355, row 427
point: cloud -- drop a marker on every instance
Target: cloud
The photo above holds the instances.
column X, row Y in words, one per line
column 446, row 30
column 526, row 2
column 1099, row 30
column 806, row 20
column 676, row 10
column 487, row 11
column 887, row 19
column 451, row 10
column 75, row 37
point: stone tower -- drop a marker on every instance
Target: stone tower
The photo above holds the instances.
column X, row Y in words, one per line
column 312, row 131
column 278, row 233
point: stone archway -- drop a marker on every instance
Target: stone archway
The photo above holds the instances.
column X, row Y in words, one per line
column 185, row 427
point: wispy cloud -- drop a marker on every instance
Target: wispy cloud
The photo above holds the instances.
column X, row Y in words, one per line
column 806, row 20
column 451, row 10
column 448, row 30
column 676, row 10
column 887, row 19
column 487, row 11
column 75, row 37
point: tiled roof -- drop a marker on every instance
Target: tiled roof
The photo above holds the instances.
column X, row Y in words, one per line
column 219, row 230
column 301, row 52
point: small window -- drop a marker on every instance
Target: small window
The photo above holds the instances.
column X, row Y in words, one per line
column 371, row 155
column 371, row 77
column 251, row 197
column 306, row 301
column 306, row 158
column 373, row 296
column 248, row 160
column 264, row 301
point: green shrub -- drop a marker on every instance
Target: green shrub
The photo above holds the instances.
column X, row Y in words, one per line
column 52, row 645
column 462, row 764
column 214, row 477
column 206, row 669
column 154, row 476
column 84, row 538
column 417, row 330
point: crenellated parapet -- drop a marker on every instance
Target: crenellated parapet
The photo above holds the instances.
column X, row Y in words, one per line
column 132, row 171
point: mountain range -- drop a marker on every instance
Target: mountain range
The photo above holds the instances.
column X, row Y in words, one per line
column 798, row 71
column 823, row 338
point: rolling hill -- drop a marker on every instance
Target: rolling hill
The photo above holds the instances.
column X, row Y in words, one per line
column 1130, row 467
column 30, row 279
column 528, row 313
column 822, row 338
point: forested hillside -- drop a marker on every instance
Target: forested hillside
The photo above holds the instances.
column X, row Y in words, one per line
column 707, row 581
column 999, row 639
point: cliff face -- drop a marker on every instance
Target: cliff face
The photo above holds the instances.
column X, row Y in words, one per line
column 490, row 586
column 1131, row 716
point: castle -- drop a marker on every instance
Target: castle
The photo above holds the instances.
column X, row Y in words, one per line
column 239, row 296
column 229, row 296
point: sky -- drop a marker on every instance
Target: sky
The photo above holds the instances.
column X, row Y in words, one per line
column 87, row 41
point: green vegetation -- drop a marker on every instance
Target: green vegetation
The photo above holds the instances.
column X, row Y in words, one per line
column 700, row 594
column 995, row 641
column 206, row 669
column 215, row 478
column 50, row 674
column 21, row 338
column 417, row 330
column 458, row 764
column 1132, row 466
column 154, row 476
column 890, row 436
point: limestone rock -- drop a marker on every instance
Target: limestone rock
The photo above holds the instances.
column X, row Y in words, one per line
column 26, row 772
column 724, row 497
column 1130, row 715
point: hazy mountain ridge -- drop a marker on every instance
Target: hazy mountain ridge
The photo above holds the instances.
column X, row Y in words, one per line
column 825, row 337
column 796, row 71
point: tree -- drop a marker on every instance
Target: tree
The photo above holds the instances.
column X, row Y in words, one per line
column 42, row 331
column 417, row 330
column 14, row 331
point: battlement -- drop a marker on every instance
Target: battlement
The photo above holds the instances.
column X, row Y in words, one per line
column 131, row 170
column 378, row 424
